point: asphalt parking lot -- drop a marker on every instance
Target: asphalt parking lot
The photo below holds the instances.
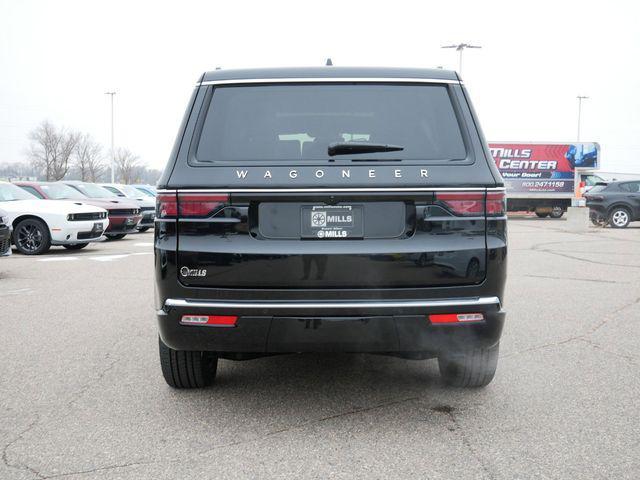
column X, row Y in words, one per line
column 81, row 394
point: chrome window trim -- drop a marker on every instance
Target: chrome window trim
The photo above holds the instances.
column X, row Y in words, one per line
column 337, row 189
column 452, row 302
column 329, row 80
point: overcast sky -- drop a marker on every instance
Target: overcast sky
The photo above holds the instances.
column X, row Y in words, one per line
column 57, row 59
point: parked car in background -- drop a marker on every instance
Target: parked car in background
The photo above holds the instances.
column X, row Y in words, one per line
column 148, row 189
column 5, row 234
column 146, row 202
column 124, row 215
column 615, row 203
column 38, row 224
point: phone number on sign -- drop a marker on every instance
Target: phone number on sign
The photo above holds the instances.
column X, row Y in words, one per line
column 544, row 184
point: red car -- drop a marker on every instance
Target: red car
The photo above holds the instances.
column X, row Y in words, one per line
column 124, row 216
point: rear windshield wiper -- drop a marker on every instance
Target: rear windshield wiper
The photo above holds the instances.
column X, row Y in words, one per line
column 345, row 148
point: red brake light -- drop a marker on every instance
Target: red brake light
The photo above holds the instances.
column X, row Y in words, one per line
column 166, row 205
column 496, row 204
column 200, row 205
column 463, row 203
column 215, row 320
column 456, row 318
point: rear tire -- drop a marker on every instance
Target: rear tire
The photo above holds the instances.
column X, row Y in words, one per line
column 118, row 236
column 542, row 214
column 186, row 369
column 75, row 246
column 143, row 229
column 472, row 368
column 619, row 217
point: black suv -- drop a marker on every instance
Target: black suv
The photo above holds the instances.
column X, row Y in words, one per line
column 330, row 209
column 615, row 203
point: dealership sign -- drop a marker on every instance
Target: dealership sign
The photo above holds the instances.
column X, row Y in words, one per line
column 537, row 167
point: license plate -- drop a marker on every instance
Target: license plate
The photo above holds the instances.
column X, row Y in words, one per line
column 129, row 221
column 332, row 221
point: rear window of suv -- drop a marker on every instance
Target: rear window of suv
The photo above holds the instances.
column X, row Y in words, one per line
column 293, row 123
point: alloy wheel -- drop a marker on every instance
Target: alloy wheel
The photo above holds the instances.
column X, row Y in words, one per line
column 620, row 218
column 30, row 237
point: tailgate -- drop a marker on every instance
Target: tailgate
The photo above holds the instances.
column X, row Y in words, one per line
column 332, row 240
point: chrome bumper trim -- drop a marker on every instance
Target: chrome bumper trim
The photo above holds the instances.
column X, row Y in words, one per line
column 451, row 302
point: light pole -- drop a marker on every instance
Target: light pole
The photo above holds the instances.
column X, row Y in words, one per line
column 580, row 98
column 113, row 153
column 460, row 48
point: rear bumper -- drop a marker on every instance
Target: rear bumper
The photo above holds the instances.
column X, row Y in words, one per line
column 380, row 326
column 596, row 209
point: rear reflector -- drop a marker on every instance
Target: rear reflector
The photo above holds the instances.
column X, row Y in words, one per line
column 215, row 320
column 456, row 318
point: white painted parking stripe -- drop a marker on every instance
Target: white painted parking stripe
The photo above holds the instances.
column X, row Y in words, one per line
column 143, row 244
column 108, row 258
column 57, row 259
column 19, row 291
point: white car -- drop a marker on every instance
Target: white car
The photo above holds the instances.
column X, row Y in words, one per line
column 38, row 224
column 146, row 203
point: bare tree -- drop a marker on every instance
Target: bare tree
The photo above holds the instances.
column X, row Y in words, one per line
column 88, row 159
column 51, row 149
column 127, row 165
column 17, row 171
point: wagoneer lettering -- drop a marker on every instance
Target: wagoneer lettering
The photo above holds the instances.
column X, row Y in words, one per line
column 362, row 201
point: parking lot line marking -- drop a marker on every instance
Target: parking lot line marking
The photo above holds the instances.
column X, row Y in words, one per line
column 108, row 258
column 143, row 253
column 143, row 244
column 19, row 291
column 57, row 259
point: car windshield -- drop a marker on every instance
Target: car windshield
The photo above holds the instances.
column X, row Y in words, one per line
column 145, row 191
column 591, row 180
column 131, row 192
column 60, row 191
column 597, row 188
column 10, row 192
column 300, row 122
column 94, row 191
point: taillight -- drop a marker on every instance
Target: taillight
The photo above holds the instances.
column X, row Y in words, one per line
column 213, row 320
column 496, row 204
column 166, row 205
column 456, row 318
column 470, row 204
column 189, row 205
column 463, row 203
column 200, row 205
